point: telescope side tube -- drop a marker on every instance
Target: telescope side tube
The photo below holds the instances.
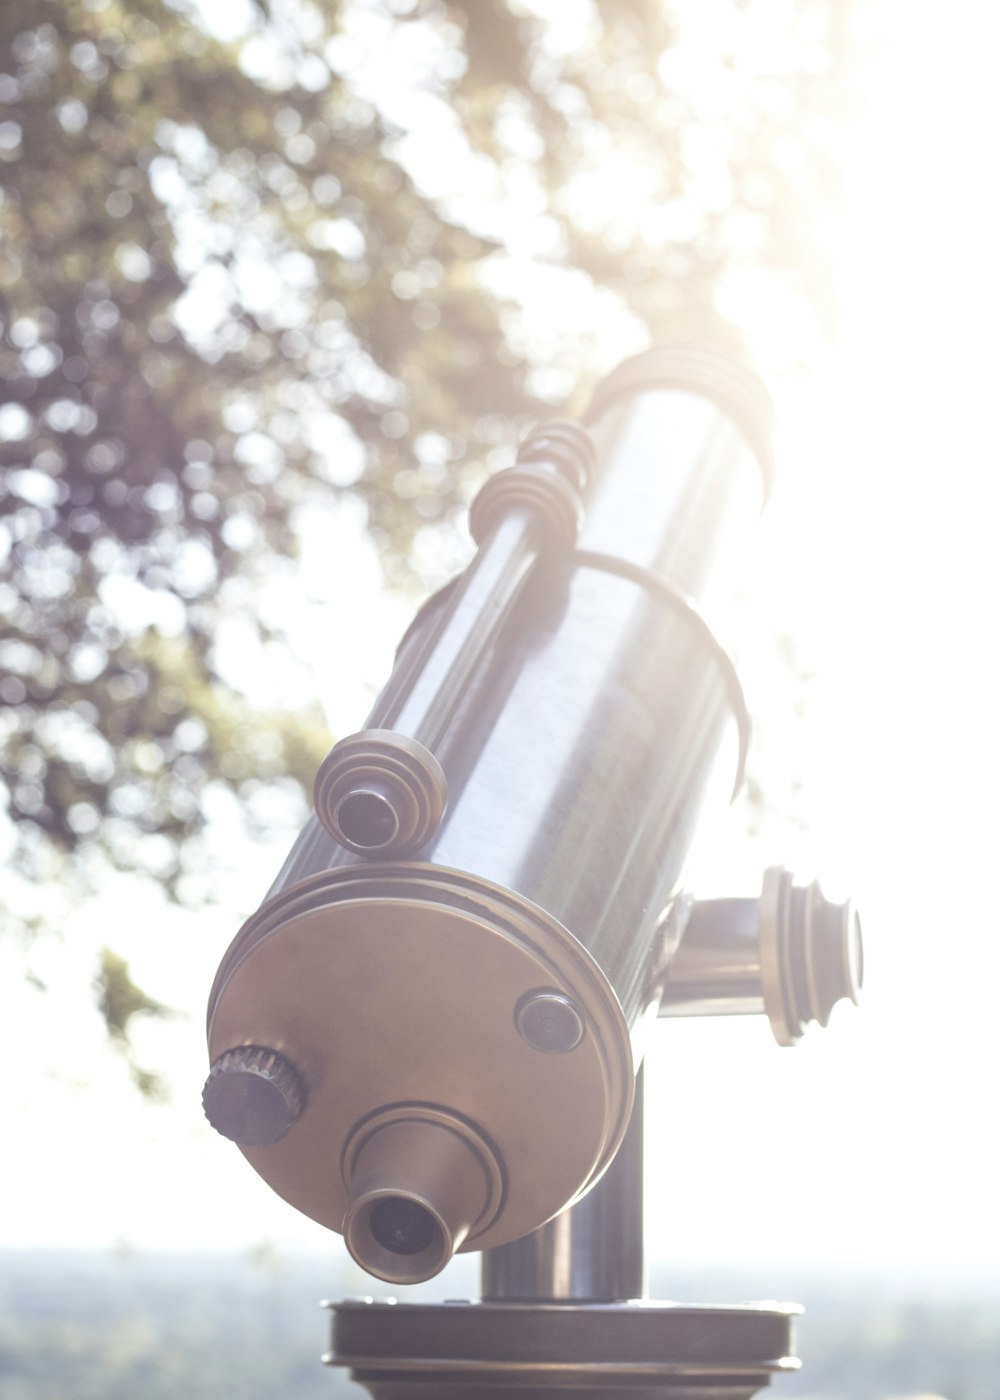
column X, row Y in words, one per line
column 383, row 792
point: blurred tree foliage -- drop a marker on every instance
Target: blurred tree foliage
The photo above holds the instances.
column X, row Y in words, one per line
column 256, row 254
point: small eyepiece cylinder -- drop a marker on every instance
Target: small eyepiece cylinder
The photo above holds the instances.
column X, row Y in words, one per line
column 380, row 793
column 420, row 1183
column 791, row 953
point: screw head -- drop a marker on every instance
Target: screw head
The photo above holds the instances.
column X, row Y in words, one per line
column 549, row 1021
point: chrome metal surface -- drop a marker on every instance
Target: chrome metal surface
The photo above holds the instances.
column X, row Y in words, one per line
column 463, row 633
column 672, row 597
column 678, row 492
column 591, row 1253
column 418, row 706
column 716, row 969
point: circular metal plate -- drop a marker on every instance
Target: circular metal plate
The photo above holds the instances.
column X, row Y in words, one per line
column 391, row 999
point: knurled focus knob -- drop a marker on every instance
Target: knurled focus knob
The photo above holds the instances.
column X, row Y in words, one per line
column 253, row 1096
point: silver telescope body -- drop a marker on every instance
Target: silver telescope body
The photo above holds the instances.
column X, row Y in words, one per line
column 428, row 1035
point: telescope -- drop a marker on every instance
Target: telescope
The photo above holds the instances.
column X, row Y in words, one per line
column 430, row 1036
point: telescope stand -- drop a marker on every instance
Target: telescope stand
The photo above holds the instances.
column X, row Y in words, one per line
column 487, row 902
column 564, row 1310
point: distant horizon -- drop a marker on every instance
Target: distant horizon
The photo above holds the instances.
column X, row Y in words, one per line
column 929, row 1276
column 216, row 1323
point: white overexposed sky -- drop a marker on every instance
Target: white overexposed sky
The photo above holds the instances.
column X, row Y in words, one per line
column 875, row 1142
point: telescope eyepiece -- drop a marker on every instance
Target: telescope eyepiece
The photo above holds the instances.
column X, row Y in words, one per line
column 420, row 1182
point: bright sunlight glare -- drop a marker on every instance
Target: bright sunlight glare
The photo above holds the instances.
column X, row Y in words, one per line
column 872, row 1142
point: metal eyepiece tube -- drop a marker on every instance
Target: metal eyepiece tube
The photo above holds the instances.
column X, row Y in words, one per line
column 383, row 791
column 419, row 1183
column 791, row 954
column 474, row 969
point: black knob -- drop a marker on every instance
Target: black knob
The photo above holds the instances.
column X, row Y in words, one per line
column 253, row 1096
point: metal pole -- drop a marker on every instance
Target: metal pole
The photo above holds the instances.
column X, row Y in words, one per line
column 592, row 1253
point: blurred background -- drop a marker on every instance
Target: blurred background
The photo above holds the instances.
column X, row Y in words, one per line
column 281, row 283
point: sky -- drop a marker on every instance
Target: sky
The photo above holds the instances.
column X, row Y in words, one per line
column 875, row 1142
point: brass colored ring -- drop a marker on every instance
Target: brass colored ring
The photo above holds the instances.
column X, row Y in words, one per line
column 402, row 783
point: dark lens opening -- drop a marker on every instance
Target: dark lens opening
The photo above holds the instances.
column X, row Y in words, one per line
column 367, row 819
column 402, row 1226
